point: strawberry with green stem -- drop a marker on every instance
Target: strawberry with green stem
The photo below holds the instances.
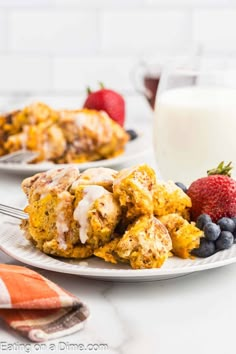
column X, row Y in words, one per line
column 214, row 195
column 109, row 101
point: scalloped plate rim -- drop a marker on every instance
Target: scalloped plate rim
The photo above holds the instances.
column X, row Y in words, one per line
column 105, row 273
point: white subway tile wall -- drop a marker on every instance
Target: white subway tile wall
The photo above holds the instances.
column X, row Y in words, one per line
column 58, row 47
column 142, row 31
column 78, row 73
column 24, row 73
column 53, row 32
column 23, row 3
column 216, row 30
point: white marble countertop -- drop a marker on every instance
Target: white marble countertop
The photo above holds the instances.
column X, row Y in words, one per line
column 191, row 314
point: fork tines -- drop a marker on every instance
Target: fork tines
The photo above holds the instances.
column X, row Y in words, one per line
column 14, row 212
column 19, row 156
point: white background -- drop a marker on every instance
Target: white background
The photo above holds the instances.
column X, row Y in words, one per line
column 51, row 50
column 58, row 47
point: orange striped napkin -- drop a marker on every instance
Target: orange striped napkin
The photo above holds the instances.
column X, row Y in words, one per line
column 36, row 307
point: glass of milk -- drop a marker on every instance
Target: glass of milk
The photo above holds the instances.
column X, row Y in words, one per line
column 194, row 123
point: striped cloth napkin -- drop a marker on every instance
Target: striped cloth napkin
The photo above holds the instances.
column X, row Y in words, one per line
column 36, row 307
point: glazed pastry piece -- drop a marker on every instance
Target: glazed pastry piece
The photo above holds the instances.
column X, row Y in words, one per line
column 45, row 138
column 50, row 209
column 76, row 215
column 6, row 124
column 50, row 226
column 96, row 214
column 53, row 181
column 68, row 224
column 99, row 176
column 6, row 129
column 19, row 121
column 133, row 187
column 3, row 135
column 168, row 199
column 34, row 128
column 73, row 250
column 108, row 251
column 145, row 244
column 91, row 135
column 32, row 115
column 185, row 236
column 62, row 136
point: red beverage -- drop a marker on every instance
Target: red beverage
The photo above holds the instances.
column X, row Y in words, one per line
column 151, row 85
column 146, row 78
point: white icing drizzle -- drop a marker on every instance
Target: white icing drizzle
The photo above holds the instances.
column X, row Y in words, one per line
column 24, row 137
column 100, row 174
column 54, row 180
column 57, row 176
column 81, row 120
column 91, row 193
column 61, row 223
column 95, row 175
column 92, row 121
column 124, row 173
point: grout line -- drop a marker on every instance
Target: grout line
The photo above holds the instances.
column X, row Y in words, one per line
column 55, row 93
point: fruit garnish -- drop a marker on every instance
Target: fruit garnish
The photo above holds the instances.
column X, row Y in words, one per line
column 221, row 169
column 107, row 100
column 220, row 235
column 132, row 134
column 214, row 195
column 226, row 224
column 206, row 249
column 211, row 231
column 225, row 240
column 202, row 220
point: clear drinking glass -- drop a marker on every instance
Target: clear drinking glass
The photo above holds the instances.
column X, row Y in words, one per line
column 146, row 78
column 194, row 122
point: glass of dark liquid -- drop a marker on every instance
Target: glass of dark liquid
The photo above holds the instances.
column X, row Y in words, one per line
column 146, row 80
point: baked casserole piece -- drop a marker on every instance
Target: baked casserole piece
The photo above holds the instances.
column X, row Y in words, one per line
column 63, row 136
column 119, row 217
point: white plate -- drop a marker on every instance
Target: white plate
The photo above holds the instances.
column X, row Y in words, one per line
column 133, row 150
column 15, row 245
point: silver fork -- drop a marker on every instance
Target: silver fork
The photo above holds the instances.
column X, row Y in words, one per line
column 20, row 156
column 14, row 212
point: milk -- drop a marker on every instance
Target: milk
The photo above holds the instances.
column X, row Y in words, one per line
column 194, row 130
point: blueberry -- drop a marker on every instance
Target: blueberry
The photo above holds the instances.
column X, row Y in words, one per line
column 206, row 249
column 226, row 224
column 202, row 220
column 211, row 231
column 234, row 220
column 234, row 234
column 225, row 240
column 132, row 134
column 181, row 186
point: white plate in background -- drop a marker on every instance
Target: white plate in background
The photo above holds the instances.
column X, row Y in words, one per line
column 133, row 150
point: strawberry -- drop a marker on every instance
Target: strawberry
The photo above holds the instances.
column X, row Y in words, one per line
column 215, row 194
column 109, row 101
